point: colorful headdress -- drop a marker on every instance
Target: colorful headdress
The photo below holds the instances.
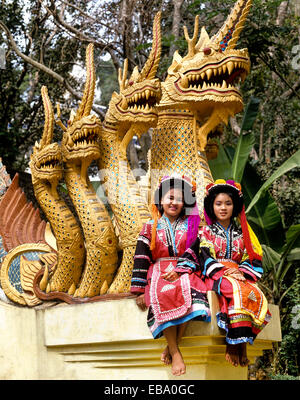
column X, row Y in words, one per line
column 189, row 188
column 252, row 244
column 222, row 186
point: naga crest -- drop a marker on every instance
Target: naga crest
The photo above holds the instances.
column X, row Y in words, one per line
column 46, row 160
column 80, row 138
column 141, row 92
column 208, row 74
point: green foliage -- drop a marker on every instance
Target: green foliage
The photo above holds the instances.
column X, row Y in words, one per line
column 277, row 265
column 292, row 162
column 288, row 358
column 264, row 217
column 21, row 111
column 280, row 377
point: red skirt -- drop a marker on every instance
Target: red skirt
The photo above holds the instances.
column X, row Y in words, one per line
column 243, row 306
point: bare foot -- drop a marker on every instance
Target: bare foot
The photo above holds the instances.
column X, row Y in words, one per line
column 244, row 361
column 232, row 354
column 166, row 356
column 178, row 366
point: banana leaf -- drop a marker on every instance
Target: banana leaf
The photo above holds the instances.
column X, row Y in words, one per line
column 246, row 140
column 220, row 167
column 270, row 258
column 294, row 255
column 292, row 162
column 292, row 239
column 250, row 114
column 281, row 263
column 264, row 218
column 230, row 163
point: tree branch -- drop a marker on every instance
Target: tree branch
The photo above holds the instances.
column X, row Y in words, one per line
column 45, row 69
column 235, row 126
column 291, row 91
column 59, row 21
column 84, row 14
column 279, row 75
column 79, row 34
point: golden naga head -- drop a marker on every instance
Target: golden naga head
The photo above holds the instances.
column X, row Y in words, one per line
column 209, row 73
column 46, row 160
column 80, row 138
column 139, row 94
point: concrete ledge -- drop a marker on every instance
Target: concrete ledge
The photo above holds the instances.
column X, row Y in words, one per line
column 119, row 320
column 18, row 342
column 110, row 340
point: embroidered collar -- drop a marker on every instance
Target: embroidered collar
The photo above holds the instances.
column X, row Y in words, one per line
column 227, row 235
column 177, row 224
column 171, row 230
column 221, row 226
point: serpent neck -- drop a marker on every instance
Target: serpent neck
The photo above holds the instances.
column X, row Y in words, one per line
column 175, row 149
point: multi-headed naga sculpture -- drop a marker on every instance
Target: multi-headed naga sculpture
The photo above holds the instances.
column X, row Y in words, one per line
column 198, row 94
column 46, row 171
column 79, row 148
column 131, row 112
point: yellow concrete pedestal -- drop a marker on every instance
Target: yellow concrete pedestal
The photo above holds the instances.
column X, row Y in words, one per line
column 110, row 340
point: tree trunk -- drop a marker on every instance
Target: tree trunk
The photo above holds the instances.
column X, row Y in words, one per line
column 261, row 141
column 281, row 12
column 175, row 24
column 127, row 30
column 268, row 151
column 296, row 5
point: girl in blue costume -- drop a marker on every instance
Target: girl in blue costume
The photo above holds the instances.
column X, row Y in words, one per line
column 174, row 295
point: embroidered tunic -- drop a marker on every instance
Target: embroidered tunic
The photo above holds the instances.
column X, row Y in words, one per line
column 244, row 310
column 170, row 303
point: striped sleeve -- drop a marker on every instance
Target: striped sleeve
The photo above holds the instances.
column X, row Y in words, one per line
column 252, row 270
column 209, row 265
column 189, row 261
column 142, row 261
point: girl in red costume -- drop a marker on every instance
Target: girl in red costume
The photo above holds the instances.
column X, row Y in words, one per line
column 174, row 295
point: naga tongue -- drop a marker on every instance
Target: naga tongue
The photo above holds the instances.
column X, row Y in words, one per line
column 233, row 76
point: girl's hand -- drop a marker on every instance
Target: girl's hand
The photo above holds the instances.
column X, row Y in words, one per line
column 171, row 276
column 140, row 301
column 235, row 273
